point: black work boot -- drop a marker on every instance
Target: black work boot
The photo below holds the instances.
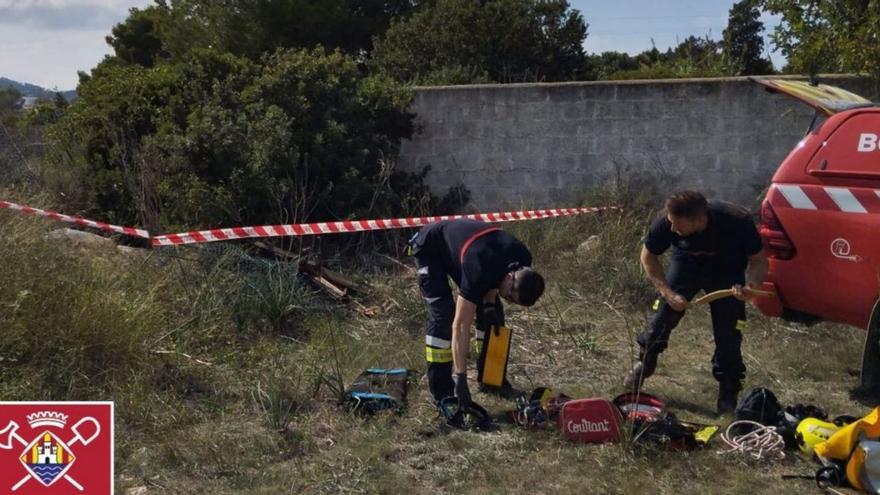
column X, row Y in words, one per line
column 643, row 369
column 634, row 377
column 727, row 396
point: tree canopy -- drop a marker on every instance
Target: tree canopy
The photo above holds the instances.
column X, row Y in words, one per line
column 839, row 36
column 217, row 138
column 467, row 41
column 218, row 112
column 251, row 28
column 742, row 41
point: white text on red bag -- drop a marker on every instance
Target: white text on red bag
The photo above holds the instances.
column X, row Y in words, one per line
column 590, row 420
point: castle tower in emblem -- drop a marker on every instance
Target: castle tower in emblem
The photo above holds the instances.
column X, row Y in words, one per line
column 48, row 452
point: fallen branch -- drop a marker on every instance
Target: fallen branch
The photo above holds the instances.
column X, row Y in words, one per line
column 369, row 312
column 336, row 278
column 310, row 267
column 281, row 253
column 334, row 291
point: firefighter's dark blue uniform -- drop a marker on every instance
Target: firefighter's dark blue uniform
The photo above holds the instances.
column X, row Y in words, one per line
column 477, row 256
column 713, row 259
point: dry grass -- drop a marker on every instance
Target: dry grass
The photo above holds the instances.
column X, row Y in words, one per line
column 262, row 416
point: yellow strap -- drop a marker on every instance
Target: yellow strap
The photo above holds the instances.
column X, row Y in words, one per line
column 656, row 305
column 741, row 325
column 434, row 355
column 704, row 434
column 477, row 346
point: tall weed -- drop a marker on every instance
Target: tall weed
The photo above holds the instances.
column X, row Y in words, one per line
column 72, row 321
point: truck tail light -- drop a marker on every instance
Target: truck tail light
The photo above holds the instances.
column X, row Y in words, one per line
column 776, row 241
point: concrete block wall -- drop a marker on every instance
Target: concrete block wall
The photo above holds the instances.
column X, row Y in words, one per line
column 545, row 145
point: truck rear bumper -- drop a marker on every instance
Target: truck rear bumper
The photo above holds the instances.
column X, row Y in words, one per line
column 769, row 305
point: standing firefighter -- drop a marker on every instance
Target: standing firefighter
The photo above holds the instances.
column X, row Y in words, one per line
column 485, row 262
column 714, row 246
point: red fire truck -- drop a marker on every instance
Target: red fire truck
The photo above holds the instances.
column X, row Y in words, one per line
column 820, row 218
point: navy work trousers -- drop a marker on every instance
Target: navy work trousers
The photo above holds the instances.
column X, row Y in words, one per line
column 435, row 289
column 728, row 320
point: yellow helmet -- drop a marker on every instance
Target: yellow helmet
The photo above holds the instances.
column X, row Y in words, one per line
column 813, row 431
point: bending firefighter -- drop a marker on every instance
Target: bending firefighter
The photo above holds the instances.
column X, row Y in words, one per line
column 714, row 246
column 485, row 262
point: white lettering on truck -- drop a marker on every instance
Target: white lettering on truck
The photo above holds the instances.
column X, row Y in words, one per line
column 867, row 142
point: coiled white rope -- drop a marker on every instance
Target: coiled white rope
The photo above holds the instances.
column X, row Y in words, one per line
column 761, row 442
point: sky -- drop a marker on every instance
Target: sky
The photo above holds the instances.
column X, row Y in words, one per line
column 630, row 25
column 45, row 42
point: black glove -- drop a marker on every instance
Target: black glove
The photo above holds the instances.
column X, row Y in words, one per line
column 461, row 390
column 493, row 314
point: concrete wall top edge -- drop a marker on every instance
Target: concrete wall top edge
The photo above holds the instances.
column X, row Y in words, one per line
column 823, row 78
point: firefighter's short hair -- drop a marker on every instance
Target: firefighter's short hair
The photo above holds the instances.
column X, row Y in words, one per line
column 528, row 286
column 687, row 204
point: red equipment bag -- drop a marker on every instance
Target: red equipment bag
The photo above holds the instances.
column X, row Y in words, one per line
column 639, row 406
column 590, row 420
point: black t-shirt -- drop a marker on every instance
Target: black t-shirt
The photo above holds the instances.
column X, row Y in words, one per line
column 477, row 255
column 724, row 246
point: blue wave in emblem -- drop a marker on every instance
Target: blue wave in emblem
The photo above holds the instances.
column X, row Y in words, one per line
column 47, row 472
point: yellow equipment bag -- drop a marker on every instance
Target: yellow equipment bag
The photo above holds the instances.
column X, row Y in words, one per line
column 497, row 351
column 858, row 445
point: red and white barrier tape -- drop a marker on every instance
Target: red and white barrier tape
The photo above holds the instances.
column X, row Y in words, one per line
column 77, row 220
column 301, row 229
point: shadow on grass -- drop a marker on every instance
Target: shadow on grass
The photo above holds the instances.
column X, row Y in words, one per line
column 680, row 405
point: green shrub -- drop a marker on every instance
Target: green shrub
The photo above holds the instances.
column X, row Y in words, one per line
column 216, row 140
